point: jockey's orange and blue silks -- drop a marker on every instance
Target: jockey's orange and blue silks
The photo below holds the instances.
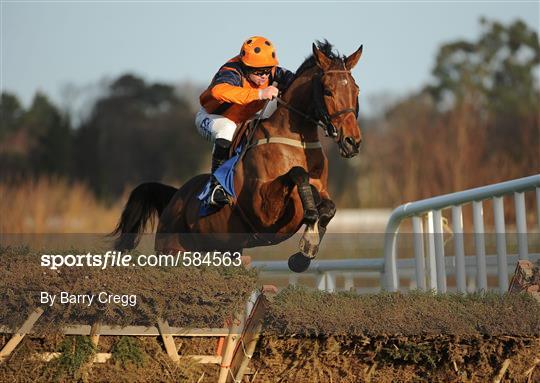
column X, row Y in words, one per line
column 231, row 94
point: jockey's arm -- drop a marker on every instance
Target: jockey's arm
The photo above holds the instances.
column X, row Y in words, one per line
column 234, row 94
column 227, row 87
column 283, row 77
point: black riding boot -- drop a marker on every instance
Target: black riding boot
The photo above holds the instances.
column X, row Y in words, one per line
column 220, row 154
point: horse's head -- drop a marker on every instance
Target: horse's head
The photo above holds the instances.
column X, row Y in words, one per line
column 336, row 99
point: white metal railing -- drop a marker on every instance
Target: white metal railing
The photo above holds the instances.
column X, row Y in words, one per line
column 435, row 262
column 430, row 267
column 325, row 274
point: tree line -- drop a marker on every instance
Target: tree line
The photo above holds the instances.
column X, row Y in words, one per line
column 476, row 123
column 137, row 132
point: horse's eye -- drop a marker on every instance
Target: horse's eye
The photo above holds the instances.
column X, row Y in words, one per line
column 327, row 93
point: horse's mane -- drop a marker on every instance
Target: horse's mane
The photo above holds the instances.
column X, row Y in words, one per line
column 325, row 47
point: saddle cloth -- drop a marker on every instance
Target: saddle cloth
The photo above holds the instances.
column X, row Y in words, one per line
column 225, row 176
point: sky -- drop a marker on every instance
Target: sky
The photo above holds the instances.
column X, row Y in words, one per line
column 49, row 46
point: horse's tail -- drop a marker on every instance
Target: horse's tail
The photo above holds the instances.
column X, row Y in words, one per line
column 144, row 201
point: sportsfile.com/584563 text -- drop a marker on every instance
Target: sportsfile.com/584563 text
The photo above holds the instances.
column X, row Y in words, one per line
column 118, row 259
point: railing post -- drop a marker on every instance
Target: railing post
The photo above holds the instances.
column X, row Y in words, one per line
column 521, row 226
column 330, row 282
column 500, row 234
column 418, row 244
column 471, row 284
column 390, row 258
column 480, row 245
column 457, row 227
column 538, row 207
column 439, row 251
column 431, row 263
column 321, row 281
column 293, row 279
column 348, row 283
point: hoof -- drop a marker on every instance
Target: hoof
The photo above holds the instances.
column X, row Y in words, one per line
column 299, row 262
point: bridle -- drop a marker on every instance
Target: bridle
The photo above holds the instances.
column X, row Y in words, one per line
column 322, row 118
column 321, row 110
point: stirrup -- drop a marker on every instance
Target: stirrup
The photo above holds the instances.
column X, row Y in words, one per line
column 218, row 197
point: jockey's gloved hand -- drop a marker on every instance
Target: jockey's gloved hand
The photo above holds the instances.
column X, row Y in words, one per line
column 268, row 93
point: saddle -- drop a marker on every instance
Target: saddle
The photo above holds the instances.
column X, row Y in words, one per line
column 242, row 133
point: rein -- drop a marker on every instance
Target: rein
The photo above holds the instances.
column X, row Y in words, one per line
column 299, row 112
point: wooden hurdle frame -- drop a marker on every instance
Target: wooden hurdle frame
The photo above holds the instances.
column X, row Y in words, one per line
column 235, row 346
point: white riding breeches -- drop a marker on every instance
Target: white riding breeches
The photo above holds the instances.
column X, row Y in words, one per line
column 212, row 126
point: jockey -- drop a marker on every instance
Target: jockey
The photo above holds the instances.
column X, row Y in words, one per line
column 237, row 92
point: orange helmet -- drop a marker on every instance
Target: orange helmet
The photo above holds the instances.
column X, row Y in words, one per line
column 258, row 52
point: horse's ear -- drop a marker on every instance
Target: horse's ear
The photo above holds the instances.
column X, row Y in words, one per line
column 352, row 60
column 322, row 61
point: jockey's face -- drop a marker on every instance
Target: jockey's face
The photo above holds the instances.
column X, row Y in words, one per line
column 259, row 77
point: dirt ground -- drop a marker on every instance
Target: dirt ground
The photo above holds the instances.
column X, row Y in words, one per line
column 419, row 337
column 309, row 336
column 396, row 359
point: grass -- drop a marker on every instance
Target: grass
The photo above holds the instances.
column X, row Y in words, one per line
column 76, row 352
column 128, row 350
column 54, row 205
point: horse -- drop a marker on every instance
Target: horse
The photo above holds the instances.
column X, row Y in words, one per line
column 281, row 180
